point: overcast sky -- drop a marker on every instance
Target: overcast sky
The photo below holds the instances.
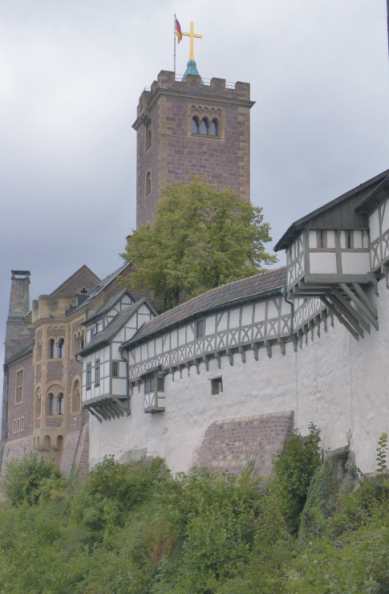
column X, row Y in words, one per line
column 70, row 76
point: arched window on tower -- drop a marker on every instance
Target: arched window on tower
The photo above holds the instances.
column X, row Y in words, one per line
column 60, row 404
column 195, row 125
column 214, row 127
column 50, row 404
column 60, row 346
column 148, row 183
column 204, row 126
column 38, row 403
column 76, row 397
column 51, row 348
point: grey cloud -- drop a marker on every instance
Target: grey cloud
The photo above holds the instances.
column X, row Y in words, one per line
column 71, row 76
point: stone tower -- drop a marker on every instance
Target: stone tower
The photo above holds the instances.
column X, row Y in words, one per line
column 18, row 334
column 188, row 128
column 19, row 305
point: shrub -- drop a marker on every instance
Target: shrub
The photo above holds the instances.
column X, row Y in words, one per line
column 294, row 469
column 27, row 479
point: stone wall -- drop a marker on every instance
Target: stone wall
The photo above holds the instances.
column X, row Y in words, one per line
column 233, row 445
column 175, row 154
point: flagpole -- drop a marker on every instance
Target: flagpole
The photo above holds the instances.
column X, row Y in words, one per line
column 175, row 44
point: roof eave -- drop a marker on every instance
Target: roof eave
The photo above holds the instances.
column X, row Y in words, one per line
column 134, row 340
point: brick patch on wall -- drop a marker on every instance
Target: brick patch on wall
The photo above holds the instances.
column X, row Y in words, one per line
column 233, row 444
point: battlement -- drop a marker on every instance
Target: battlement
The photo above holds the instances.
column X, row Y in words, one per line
column 168, row 83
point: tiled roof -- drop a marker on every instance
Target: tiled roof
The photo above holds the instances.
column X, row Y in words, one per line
column 103, row 284
column 235, row 292
column 104, row 337
column 25, row 350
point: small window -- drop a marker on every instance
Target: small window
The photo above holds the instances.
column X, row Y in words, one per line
column 51, row 348
column 214, row 128
column 97, row 372
column 88, row 379
column 115, row 368
column 50, row 404
column 200, row 328
column 216, row 385
column 204, row 126
column 60, row 347
column 60, row 404
column 148, row 135
column 19, row 386
column 148, row 183
column 195, row 125
column 154, row 382
column 322, row 240
column 349, row 240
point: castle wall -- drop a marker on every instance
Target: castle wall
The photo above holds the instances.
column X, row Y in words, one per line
column 334, row 381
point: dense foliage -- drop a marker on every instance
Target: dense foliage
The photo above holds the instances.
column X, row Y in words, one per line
column 134, row 529
column 201, row 238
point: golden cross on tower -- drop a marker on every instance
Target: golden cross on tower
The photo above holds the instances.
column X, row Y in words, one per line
column 192, row 36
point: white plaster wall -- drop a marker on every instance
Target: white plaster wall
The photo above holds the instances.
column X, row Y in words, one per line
column 339, row 384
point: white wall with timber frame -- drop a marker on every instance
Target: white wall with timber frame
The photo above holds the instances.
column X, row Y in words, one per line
column 112, row 386
column 330, row 379
column 379, row 236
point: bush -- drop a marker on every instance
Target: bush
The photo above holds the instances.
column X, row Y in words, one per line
column 28, row 478
column 294, row 469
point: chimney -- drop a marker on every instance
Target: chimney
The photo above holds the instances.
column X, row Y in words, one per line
column 18, row 333
column 19, row 303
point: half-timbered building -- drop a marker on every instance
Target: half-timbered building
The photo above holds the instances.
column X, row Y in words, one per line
column 221, row 379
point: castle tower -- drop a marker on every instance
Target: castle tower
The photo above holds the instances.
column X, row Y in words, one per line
column 190, row 128
column 19, row 306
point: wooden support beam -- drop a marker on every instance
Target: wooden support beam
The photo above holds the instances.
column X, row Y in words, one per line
column 354, row 318
column 341, row 319
column 242, row 354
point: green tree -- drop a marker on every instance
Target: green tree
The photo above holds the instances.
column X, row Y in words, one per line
column 201, row 239
column 27, row 479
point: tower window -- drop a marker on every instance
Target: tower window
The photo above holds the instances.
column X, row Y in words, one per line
column 60, row 346
column 148, row 183
column 148, row 135
column 19, row 386
column 51, row 348
column 214, row 127
column 204, row 126
column 195, row 125
column 50, row 404
column 60, row 404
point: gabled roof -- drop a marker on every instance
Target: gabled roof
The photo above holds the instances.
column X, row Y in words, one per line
column 245, row 289
column 101, row 286
column 298, row 225
column 103, row 338
column 380, row 193
column 84, row 277
column 107, row 306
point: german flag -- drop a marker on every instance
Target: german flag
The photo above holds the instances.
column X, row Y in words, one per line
column 178, row 30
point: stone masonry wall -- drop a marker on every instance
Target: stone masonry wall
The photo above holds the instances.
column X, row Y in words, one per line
column 232, row 445
column 177, row 156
